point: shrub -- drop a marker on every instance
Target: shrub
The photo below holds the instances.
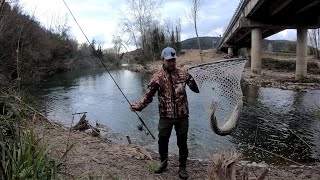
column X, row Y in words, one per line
column 22, row 157
column 287, row 65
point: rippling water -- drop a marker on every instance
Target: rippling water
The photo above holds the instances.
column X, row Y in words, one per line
column 274, row 122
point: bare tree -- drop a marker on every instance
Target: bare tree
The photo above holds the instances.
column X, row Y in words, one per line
column 270, row 48
column 138, row 19
column 314, row 37
column 28, row 51
column 118, row 45
column 167, row 27
column 178, row 35
column 127, row 26
column 137, row 22
column 194, row 15
column 142, row 27
column 1, row 5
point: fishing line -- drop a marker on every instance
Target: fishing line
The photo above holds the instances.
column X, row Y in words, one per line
column 101, row 61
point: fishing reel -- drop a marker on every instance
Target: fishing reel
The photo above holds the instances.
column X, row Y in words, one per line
column 140, row 127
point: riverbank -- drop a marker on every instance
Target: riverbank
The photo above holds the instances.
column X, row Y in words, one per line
column 103, row 158
column 271, row 76
column 100, row 158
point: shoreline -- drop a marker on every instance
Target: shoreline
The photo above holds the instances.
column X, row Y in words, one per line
column 99, row 157
column 102, row 158
column 284, row 80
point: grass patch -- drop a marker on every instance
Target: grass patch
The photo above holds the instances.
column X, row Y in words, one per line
column 274, row 64
column 152, row 166
column 287, row 65
column 23, row 155
column 318, row 114
column 313, row 68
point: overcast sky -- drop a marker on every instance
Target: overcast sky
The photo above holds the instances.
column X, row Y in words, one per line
column 99, row 18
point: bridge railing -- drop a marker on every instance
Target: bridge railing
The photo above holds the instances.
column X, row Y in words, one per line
column 233, row 20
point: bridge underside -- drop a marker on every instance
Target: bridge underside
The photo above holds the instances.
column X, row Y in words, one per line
column 259, row 19
column 272, row 17
column 242, row 37
column 293, row 12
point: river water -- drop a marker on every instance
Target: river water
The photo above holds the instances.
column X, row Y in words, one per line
column 273, row 123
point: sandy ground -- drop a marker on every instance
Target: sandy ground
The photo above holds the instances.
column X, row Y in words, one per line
column 102, row 159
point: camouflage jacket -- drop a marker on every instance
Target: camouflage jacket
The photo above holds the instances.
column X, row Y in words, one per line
column 172, row 96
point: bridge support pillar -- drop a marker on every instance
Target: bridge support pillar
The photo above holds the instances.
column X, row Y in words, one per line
column 302, row 53
column 256, row 49
column 230, row 51
column 249, row 57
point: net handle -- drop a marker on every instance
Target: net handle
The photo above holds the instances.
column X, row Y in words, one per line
column 216, row 62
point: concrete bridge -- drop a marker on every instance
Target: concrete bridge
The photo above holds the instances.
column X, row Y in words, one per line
column 257, row 19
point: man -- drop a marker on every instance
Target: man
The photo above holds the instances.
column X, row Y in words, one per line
column 170, row 83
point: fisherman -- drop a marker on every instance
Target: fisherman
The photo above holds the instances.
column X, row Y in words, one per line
column 170, row 83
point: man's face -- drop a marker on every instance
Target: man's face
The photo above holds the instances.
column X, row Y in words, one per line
column 170, row 64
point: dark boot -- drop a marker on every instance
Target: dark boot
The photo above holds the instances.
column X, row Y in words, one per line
column 162, row 167
column 163, row 151
column 183, row 173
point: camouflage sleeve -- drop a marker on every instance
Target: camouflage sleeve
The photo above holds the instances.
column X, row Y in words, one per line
column 153, row 87
column 192, row 83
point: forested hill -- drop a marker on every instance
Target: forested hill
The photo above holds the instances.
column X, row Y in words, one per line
column 267, row 45
column 206, row 43
column 29, row 51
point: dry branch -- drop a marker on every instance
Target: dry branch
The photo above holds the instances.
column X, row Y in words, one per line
column 224, row 166
column 264, row 173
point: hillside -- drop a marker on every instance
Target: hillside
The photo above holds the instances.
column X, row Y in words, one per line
column 278, row 45
column 267, row 45
column 206, row 43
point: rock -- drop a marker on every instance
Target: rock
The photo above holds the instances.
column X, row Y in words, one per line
column 254, row 164
column 294, row 166
column 262, row 164
column 82, row 124
column 95, row 132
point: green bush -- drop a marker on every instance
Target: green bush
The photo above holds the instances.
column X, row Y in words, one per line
column 152, row 166
column 313, row 68
column 287, row 65
column 274, row 64
column 22, row 156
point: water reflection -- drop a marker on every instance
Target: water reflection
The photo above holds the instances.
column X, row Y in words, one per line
column 279, row 121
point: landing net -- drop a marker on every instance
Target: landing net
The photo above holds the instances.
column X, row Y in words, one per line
column 220, row 89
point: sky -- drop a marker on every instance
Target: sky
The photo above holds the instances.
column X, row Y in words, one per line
column 99, row 19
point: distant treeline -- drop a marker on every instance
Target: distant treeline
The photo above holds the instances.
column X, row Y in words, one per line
column 29, row 51
column 283, row 46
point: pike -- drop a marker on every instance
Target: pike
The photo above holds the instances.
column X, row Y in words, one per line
column 140, row 127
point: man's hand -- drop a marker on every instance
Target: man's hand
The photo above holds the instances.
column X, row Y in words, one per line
column 135, row 107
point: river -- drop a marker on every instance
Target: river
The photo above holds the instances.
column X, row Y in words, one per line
column 273, row 123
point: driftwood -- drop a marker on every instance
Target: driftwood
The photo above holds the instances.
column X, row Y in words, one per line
column 95, row 131
column 264, row 173
column 224, row 167
column 83, row 124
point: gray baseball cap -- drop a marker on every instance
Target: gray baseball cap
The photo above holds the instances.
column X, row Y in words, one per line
column 168, row 53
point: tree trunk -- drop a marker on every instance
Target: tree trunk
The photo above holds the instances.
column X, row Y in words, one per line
column 1, row 7
column 198, row 40
column 1, row 3
column 314, row 39
column 317, row 39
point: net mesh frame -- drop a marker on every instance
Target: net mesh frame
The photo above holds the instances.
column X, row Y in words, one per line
column 219, row 86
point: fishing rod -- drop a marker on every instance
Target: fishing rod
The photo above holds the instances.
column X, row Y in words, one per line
column 140, row 127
